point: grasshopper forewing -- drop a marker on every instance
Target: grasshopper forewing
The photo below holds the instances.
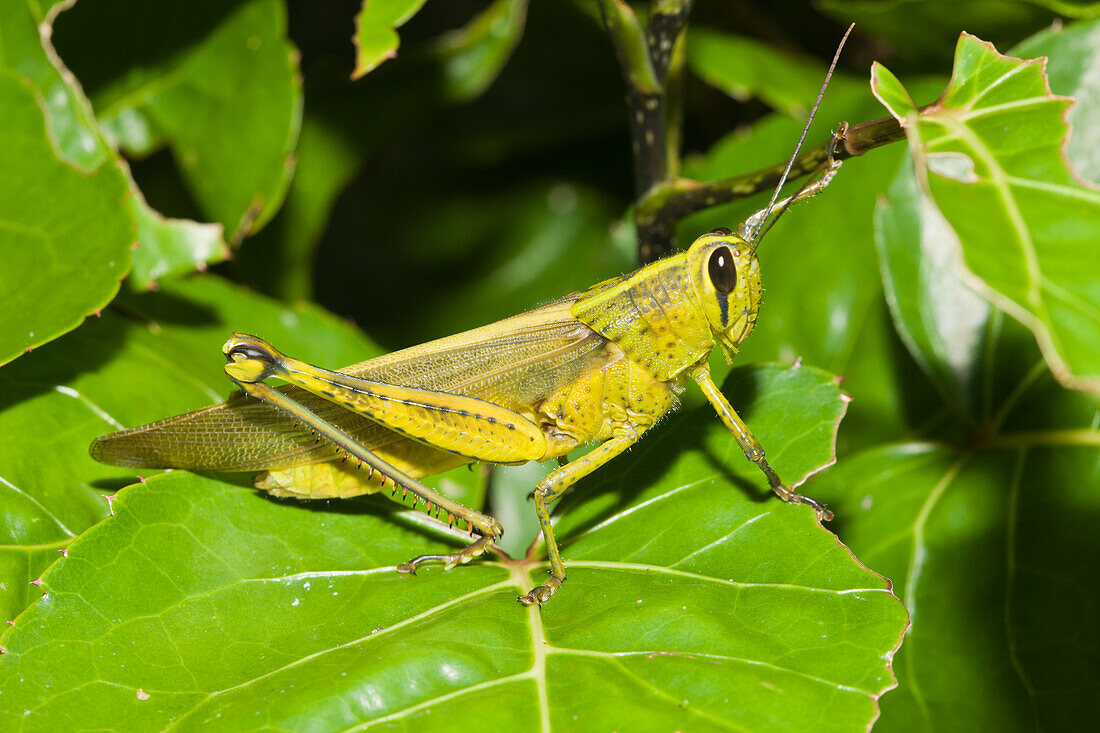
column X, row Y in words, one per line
column 597, row 367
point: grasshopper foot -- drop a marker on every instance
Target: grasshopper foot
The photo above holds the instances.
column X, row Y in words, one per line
column 463, row 556
column 542, row 593
column 411, row 566
column 823, row 514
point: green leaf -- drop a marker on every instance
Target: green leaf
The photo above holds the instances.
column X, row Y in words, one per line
column 473, row 56
column 988, row 520
column 894, row 97
column 745, row 68
column 66, row 231
column 1023, row 220
column 726, row 593
column 375, row 36
column 229, row 107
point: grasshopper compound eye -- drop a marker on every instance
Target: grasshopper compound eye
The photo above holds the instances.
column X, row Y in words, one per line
column 248, row 353
column 722, row 270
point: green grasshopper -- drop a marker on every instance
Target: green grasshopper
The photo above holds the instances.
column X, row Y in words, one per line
column 598, row 367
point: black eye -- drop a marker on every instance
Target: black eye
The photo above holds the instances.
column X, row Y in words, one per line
column 722, row 271
column 721, row 231
column 248, row 352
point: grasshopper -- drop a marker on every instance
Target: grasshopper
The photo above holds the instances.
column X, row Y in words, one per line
column 596, row 367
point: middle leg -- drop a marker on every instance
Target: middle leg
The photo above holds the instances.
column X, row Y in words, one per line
column 553, row 486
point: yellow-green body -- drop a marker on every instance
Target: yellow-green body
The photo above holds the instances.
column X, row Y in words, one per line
column 618, row 351
column 602, row 366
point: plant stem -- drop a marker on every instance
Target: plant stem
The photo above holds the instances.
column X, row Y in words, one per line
column 658, row 211
column 645, row 56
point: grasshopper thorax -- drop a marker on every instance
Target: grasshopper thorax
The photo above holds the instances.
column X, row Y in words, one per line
column 725, row 275
column 668, row 315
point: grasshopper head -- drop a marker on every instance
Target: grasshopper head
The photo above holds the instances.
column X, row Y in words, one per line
column 726, row 277
column 249, row 359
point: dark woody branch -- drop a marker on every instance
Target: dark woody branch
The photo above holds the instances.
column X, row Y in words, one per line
column 644, row 56
column 651, row 60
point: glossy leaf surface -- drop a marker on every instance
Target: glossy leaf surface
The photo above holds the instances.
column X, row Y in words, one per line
column 942, row 320
column 66, row 257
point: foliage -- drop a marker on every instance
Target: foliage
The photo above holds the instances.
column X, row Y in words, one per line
column 482, row 165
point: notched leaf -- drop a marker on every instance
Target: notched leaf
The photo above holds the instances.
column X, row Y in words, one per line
column 1021, row 215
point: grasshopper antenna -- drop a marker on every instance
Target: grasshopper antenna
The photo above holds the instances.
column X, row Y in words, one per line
column 750, row 230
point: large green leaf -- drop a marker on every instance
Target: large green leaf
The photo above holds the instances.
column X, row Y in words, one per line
column 941, row 319
column 983, row 543
column 1023, row 221
column 66, row 227
column 690, row 591
column 163, row 245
